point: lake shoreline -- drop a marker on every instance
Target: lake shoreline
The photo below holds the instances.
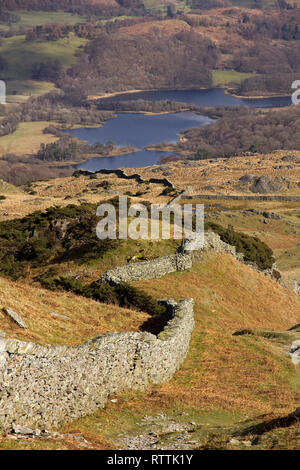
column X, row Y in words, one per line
column 156, row 132
column 129, row 92
column 227, row 90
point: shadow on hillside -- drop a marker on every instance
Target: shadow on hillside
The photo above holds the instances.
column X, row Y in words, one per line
column 156, row 323
column 275, row 423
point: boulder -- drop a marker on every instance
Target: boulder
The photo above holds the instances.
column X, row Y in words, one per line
column 295, row 346
column 248, row 178
column 24, row 430
column 15, row 317
column 58, row 315
column 290, row 158
column 271, row 215
column 265, row 185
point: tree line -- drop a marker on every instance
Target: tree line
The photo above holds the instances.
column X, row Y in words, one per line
column 243, row 130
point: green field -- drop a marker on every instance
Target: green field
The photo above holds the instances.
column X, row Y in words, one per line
column 26, row 139
column 29, row 19
column 21, row 54
column 227, row 77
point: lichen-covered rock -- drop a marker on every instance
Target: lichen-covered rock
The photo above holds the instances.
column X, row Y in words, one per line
column 266, row 184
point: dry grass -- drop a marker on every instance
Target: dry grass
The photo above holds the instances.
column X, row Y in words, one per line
column 216, row 175
column 225, row 380
column 87, row 318
column 71, row 190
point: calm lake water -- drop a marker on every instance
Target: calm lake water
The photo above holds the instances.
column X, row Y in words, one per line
column 210, row 97
column 140, row 130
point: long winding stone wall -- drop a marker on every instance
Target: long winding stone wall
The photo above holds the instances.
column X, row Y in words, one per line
column 47, row 386
column 158, row 267
column 44, row 387
column 121, row 174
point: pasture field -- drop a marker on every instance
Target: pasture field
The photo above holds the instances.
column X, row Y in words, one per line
column 160, row 6
column 18, row 91
column 29, row 19
column 21, row 55
column 228, row 77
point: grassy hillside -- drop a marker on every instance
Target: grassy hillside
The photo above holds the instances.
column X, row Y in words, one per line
column 227, row 382
column 29, row 19
column 18, row 91
column 86, row 318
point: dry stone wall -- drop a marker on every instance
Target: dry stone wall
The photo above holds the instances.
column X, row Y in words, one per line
column 121, row 174
column 152, row 269
column 46, row 386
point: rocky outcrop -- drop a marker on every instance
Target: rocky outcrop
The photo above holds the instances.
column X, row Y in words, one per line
column 291, row 158
column 265, row 185
column 247, row 178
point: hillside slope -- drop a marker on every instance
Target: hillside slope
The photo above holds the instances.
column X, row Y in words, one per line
column 230, row 372
column 75, row 320
column 227, row 382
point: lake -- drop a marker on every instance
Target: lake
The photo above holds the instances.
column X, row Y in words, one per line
column 141, row 130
